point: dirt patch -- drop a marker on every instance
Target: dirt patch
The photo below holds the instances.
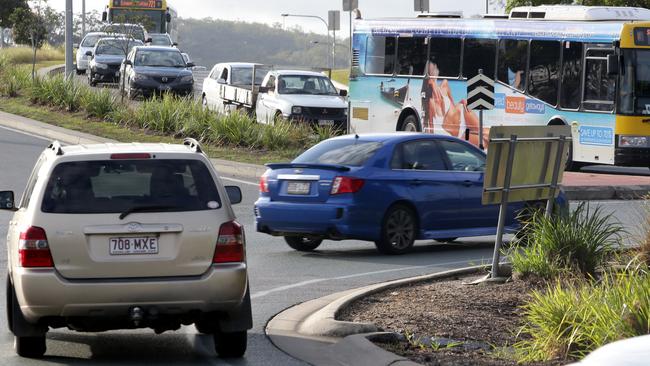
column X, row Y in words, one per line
column 456, row 324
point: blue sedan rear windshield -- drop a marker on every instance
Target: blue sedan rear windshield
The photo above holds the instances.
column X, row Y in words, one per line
column 350, row 152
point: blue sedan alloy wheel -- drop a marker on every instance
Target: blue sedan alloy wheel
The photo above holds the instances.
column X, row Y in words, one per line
column 398, row 230
column 303, row 243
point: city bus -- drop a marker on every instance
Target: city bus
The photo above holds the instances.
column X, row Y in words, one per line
column 155, row 15
column 585, row 67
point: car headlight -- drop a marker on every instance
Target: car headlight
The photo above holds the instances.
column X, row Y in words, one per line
column 187, row 79
column 99, row 65
column 296, row 110
column 633, row 141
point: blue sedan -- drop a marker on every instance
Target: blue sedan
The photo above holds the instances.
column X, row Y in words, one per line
column 391, row 189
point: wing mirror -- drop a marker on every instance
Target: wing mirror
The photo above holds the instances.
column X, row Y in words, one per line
column 175, row 44
column 343, row 93
column 104, row 16
column 221, row 81
column 234, row 194
column 89, row 53
column 128, row 62
column 190, row 64
column 7, row 201
column 264, row 89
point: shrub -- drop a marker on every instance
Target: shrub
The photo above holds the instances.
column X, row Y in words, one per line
column 571, row 320
column 98, row 103
column 13, row 80
column 579, row 240
column 23, row 54
column 57, row 91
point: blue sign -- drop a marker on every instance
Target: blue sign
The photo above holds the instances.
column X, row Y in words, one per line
column 535, row 107
column 592, row 135
column 499, row 100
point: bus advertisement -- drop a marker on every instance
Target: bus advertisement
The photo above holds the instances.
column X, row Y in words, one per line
column 154, row 15
column 411, row 75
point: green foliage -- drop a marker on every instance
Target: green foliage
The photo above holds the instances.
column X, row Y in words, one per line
column 579, row 240
column 28, row 27
column 571, row 320
column 58, row 92
column 634, row 3
column 7, row 8
column 13, row 80
column 98, row 104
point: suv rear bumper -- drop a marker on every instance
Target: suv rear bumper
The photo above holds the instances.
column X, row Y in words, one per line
column 44, row 293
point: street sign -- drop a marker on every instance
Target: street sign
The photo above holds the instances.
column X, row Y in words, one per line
column 334, row 20
column 480, row 92
column 421, row 6
column 349, row 5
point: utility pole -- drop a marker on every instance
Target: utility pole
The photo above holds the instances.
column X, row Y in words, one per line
column 83, row 18
column 334, row 24
column 68, row 39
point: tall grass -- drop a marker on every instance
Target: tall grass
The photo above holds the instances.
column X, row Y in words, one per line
column 579, row 240
column 58, row 91
column 13, row 80
column 571, row 320
column 23, row 54
column 98, row 104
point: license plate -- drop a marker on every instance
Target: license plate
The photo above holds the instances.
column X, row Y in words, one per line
column 133, row 245
column 325, row 122
column 164, row 88
column 298, row 187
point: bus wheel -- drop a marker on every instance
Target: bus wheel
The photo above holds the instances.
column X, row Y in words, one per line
column 572, row 166
column 410, row 124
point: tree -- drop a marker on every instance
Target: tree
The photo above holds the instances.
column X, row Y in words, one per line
column 632, row 3
column 29, row 28
column 7, row 8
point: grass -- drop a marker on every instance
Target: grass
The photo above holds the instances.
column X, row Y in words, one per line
column 341, row 75
column 577, row 241
column 23, row 54
column 78, row 122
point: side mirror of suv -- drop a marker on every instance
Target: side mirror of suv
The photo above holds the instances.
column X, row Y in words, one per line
column 264, row 89
column 89, row 53
column 7, row 200
column 234, row 194
column 191, row 64
column 343, row 93
column 128, row 62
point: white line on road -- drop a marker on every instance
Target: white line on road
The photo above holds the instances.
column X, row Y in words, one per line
column 309, row 282
column 26, row 133
column 241, row 181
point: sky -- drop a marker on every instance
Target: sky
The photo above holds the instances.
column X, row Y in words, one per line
column 268, row 11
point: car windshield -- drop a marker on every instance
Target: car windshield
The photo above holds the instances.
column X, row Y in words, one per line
column 116, row 46
column 160, row 40
column 350, row 152
column 244, row 76
column 306, row 84
column 116, row 186
column 160, row 58
column 90, row 40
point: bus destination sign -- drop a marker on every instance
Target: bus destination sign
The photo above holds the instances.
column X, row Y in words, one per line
column 642, row 36
column 152, row 4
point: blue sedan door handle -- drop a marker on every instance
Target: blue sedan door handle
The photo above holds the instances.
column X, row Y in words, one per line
column 468, row 183
column 416, row 182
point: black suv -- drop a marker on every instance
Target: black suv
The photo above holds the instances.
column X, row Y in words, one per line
column 153, row 69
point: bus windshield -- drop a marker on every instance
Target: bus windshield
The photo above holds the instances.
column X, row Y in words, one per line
column 635, row 82
column 151, row 20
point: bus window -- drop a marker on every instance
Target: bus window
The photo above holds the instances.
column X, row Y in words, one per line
column 411, row 55
column 445, row 53
column 571, row 75
column 512, row 60
column 599, row 87
column 544, row 70
column 380, row 55
column 479, row 54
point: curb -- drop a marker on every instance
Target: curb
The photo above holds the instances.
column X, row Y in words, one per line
column 589, row 193
column 55, row 69
column 340, row 341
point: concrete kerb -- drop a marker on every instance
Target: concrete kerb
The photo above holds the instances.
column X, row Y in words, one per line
column 55, row 69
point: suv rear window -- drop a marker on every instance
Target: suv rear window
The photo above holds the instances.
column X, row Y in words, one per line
column 114, row 186
column 341, row 152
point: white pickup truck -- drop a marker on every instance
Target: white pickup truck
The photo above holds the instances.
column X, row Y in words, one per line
column 298, row 95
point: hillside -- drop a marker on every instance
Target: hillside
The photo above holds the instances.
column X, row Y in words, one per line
column 209, row 41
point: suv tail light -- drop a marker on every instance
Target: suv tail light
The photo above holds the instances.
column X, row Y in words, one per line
column 346, row 185
column 33, row 249
column 230, row 244
column 264, row 184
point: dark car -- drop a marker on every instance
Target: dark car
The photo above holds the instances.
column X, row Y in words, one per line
column 392, row 189
column 150, row 70
column 107, row 57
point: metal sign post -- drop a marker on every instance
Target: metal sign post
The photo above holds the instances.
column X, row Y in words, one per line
column 498, row 242
column 480, row 96
column 334, row 24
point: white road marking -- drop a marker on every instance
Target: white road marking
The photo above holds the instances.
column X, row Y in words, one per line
column 26, row 133
column 317, row 280
column 241, row 181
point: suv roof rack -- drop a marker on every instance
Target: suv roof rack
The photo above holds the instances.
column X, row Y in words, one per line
column 56, row 147
column 192, row 144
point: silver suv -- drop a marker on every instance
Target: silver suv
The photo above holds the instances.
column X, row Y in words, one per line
column 123, row 236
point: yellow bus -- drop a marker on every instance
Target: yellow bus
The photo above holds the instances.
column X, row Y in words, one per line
column 155, row 15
